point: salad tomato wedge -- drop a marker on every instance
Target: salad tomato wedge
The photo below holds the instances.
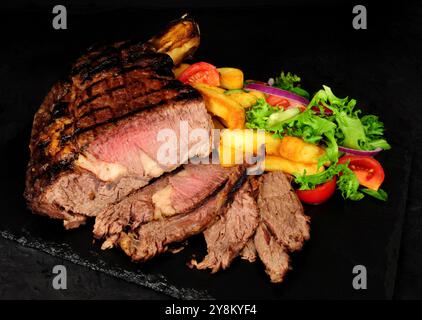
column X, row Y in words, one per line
column 368, row 170
column 201, row 72
column 320, row 194
column 284, row 103
column 276, row 101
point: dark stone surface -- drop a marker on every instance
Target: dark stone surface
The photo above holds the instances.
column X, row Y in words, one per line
column 409, row 281
column 382, row 67
column 26, row 273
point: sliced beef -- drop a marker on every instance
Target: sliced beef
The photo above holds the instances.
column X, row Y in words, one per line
column 265, row 219
column 169, row 195
column 284, row 226
column 228, row 236
column 188, row 188
column 282, row 212
column 249, row 251
column 154, row 237
column 271, row 253
column 132, row 211
column 95, row 137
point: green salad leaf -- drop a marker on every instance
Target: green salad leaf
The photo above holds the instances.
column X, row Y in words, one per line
column 347, row 182
column 309, row 182
column 379, row 194
column 365, row 133
column 306, row 125
column 344, row 126
column 290, row 82
column 257, row 115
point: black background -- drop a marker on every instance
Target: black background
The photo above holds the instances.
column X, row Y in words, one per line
column 380, row 66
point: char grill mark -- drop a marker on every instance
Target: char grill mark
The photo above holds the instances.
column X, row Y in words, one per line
column 105, row 65
column 100, row 52
column 135, row 73
column 156, row 101
column 60, row 109
column 117, row 64
column 123, row 88
column 170, row 91
column 93, row 117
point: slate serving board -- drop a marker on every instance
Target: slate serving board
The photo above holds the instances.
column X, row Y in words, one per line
column 343, row 234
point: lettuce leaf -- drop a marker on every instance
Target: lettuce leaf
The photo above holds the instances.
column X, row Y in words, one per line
column 257, row 116
column 306, row 125
column 365, row 133
column 347, row 182
column 379, row 194
column 309, row 182
column 290, row 82
column 343, row 127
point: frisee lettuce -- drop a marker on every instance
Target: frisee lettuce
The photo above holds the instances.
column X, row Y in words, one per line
column 290, row 82
column 306, row 125
column 347, row 182
column 365, row 133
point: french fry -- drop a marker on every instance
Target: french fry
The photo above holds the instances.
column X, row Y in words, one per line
column 273, row 163
column 245, row 99
column 230, row 157
column 218, row 89
column 247, row 140
column 258, row 94
column 230, row 112
column 272, row 145
column 295, row 149
column 231, row 78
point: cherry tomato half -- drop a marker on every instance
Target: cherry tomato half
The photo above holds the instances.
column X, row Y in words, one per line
column 368, row 170
column 284, row 103
column 201, row 72
column 320, row 194
column 276, row 101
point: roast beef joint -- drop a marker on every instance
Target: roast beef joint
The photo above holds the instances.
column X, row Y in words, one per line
column 93, row 154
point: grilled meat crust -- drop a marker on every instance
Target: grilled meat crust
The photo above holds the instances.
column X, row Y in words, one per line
column 107, row 85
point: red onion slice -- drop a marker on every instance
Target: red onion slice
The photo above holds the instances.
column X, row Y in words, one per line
column 368, row 153
column 277, row 92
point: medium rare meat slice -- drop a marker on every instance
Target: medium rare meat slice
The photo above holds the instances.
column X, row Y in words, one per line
column 271, row 253
column 188, row 188
column 227, row 237
column 171, row 194
column 282, row 212
column 153, row 238
column 95, row 138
